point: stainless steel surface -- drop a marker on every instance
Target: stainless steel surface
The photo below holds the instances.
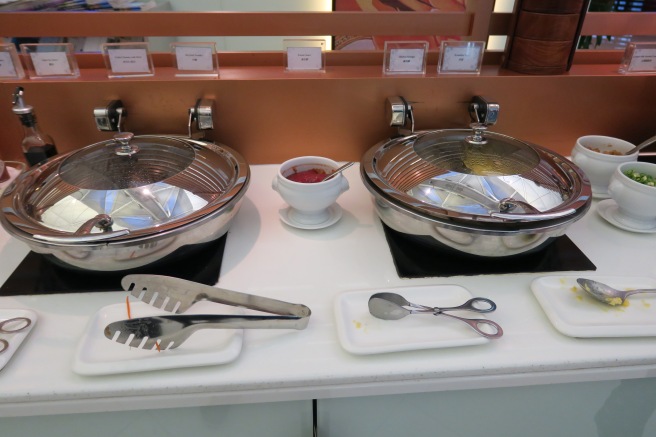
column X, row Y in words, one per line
column 483, row 114
column 607, row 294
column 178, row 295
column 484, row 111
column 397, row 111
column 102, row 221
column 338, row 171
column 169, row 332
column 110, row 117
column 461, row 223
column 173, row 192
column 81, row 238
column 202, row 113
column 484, row 194
column 392, row 306
column 505, row 206
column 639, row 147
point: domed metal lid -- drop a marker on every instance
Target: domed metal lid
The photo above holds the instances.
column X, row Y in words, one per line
column 476, row 177
column 124, row 188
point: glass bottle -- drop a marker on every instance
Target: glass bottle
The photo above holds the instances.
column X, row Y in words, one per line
column 37, row 146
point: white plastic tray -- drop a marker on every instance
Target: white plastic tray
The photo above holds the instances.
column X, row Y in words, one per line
column 98, row 355
column 362, row 334
column 575, row 314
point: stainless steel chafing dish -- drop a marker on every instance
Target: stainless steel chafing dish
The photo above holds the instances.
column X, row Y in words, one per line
column 470, row 190
column 128, row 201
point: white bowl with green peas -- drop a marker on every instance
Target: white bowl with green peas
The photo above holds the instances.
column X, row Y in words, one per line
column 633, row 187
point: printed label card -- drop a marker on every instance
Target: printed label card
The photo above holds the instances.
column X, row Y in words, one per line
column 50, row 61
column 639, row 57
column 195, row 59
column 305, row 55
column 128, row 60
column 10, row 64
column 461, row 57
column 408, row 57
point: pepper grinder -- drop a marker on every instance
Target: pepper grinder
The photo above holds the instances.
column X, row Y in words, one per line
column 37, row 146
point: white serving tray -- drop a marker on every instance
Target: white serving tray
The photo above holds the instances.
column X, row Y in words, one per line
column 361, row 333
column 98, row 355
column 575, row 314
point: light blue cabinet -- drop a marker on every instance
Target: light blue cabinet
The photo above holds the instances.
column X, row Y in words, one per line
column 586, row 409
column 595, row 409
column 280, row 419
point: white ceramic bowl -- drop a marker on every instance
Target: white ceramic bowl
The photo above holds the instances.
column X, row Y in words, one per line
column 309, row 202
column 599, row 166
column 636, row 202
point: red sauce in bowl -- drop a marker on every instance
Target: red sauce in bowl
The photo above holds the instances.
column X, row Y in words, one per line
column 308, row 176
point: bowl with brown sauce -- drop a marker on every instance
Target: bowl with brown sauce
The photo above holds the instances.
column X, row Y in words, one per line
column 598, row 156
column 304, row 184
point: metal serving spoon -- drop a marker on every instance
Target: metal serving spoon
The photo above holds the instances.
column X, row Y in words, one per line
column 607, row 294
column 642, row 145
column 338, row 171
column 392, row 306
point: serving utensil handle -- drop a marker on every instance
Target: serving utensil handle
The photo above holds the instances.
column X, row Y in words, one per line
column 221, row 321
column 477, row 324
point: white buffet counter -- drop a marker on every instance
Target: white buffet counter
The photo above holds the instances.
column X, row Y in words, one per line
column 264, row 256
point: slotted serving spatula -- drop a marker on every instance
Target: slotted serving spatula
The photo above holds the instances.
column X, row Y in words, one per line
column 178, row 295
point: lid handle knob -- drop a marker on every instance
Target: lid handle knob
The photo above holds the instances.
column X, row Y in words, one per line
column 124, row 147
column 478, row 137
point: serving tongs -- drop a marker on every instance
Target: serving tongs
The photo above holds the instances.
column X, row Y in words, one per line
column 178, row 295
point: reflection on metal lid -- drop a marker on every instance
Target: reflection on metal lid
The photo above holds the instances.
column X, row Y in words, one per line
column 504, row 180
column 139, row 208
column 101, row 167
column 169, row 182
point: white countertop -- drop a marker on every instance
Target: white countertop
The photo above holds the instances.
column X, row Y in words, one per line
column 266, row 257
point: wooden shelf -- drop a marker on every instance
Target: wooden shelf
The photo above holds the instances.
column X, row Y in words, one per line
column 270, row 115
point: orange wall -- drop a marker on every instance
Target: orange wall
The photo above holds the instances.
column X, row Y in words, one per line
column 269, row 115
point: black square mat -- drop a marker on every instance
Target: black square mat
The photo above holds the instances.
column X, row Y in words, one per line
column 38, row 274
column 416, row 259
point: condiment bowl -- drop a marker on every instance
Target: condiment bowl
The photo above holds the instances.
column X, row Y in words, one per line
column 636, row 202
column 309, row 202
column 592, row 153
